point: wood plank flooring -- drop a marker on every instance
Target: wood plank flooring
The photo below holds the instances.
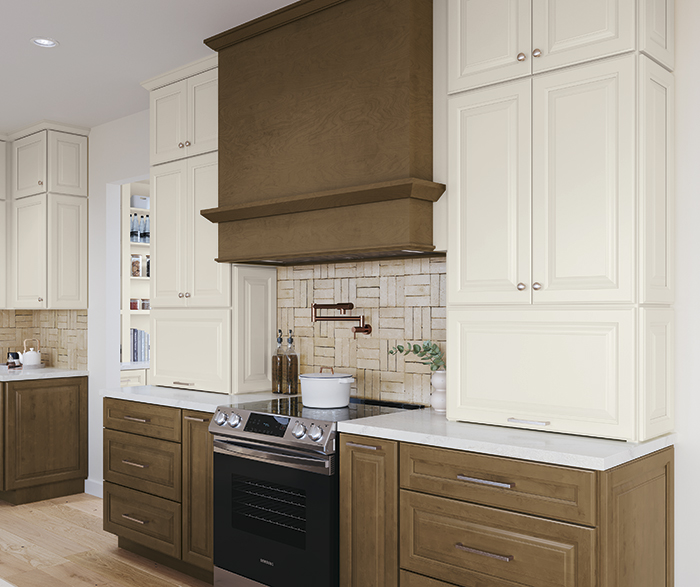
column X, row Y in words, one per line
column 60, row 543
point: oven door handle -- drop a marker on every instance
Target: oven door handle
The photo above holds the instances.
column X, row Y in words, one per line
column 323, row 466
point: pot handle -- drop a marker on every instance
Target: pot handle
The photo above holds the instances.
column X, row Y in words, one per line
column 331, row 368
column 36, row 340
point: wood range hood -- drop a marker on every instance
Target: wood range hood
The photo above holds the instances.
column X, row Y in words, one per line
column 325, row 133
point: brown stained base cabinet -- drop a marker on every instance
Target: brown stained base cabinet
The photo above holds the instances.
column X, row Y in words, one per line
column 44, row 428
column 158, row 491
column 418, row 516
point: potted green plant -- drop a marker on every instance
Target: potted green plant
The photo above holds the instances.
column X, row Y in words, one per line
column 431, row 355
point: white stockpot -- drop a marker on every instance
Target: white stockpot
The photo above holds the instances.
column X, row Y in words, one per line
column 325, row 390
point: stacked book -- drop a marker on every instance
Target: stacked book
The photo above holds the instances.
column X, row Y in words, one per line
column 140, row 345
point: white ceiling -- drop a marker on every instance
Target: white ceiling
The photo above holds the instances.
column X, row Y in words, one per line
column 106, row 49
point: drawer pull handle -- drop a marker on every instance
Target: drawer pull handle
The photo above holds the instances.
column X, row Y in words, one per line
column 183, row 383
column 128, row 517
column 486, row 482
column 132, row 464
column 191, row 419
column 531, row 422
column 505, row 558
column 132, row 419
column 365, row 446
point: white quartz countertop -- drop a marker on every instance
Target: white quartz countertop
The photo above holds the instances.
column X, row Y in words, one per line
column 201, row 401
column 428, row 428
column 25, row 374
column 135, row 365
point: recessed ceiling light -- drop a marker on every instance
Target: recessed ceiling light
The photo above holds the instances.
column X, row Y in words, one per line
column 44, row 42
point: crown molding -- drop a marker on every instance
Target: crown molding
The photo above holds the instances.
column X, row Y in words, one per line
column 176, row 75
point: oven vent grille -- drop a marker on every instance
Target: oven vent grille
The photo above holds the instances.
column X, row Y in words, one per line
column 270, row 510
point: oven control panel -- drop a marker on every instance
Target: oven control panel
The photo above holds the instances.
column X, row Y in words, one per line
column 301, row 432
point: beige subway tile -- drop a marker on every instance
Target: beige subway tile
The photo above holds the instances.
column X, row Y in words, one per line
column 368, row 282
column 438, row 323
column 345, row 270
column 417, row 301
column 418, row 291
column 420, row 279
column 434, row 290
column 426, row 322
column 443, row 290
column 391, row 313
column 438, row 312
column 392, row 268
column 324, row 351
column 438, row 265
column 323, row 284
column 370, row 364
column 391, row 333
column 367, row 292
column 397, row 323
column 367, row 342
column 400, row 291
column 303, row 272
column 439, row 335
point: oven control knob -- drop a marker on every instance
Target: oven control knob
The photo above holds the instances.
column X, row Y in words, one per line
column 234, row 420
column 299, row 430
column 315, row 432
column 220, row 418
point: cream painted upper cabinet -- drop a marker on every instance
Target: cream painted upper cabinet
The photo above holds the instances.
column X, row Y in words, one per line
column 50, row 161
column 184, row 118
column 580, row 161
column 3, row 253
column 48, row 252
column 184, row 272
column 496, row 40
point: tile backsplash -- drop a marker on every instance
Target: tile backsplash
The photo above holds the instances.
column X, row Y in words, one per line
column 403, row 301
column 62, row 335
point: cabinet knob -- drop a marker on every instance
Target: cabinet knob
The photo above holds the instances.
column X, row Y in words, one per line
column 521, row 286
column 41, row 182
column 41, row 299
column 181, row 295
column 187, row 294
column 536, row 286
column 536, row 53
column 181, row 145
column 187, row 143
column 522, row 57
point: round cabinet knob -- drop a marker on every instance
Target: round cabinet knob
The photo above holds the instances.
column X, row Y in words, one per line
column 181, row 145
column 521, row 286
column 187, row 143
column 41, row 299
column 522, row 57
column 234, row 420
column 536, row 53
column 315, row 432
column 187, row 294
column 181, row 295
column 299, row 430
column 536, row 286
column 41, row 182
column 220, row 418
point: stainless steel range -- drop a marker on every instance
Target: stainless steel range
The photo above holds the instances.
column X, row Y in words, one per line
column 276, row 492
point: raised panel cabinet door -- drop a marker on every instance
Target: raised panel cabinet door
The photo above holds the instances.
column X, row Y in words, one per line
column 68, row 156
column 191, row 349
column 565, row 32
column 583, row 184
column 28, row 253
column 656, row 183
column 254, row 321
column 488, row 42
column 197, row 490
column 571, row 371
column 29, row 165
column 132, row 378
column 169, row 241
column 203, row 113
column 67, row 252
column 208, row 282
column 369, row 496
column 168, row 122
column 489, row 185
column 46, row 431
column 657, row 36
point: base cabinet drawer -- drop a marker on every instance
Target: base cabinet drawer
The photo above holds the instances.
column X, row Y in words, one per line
column 412, row 580
column 471, row 545
column 144, row 419
column 152, row 521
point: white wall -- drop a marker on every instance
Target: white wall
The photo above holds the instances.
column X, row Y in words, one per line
column 118, row 154
column 688, row 288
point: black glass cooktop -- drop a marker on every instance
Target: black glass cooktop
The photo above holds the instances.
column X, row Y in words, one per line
column 359, row 408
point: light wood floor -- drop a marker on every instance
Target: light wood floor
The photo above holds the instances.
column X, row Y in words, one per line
column 60, row 543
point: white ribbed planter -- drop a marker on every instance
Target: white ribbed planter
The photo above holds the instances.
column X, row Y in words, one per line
column 438, row 399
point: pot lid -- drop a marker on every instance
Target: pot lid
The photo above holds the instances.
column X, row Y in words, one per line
column 337, row 376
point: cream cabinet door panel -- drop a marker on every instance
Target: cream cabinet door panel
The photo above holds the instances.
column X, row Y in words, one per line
column 3, row 253
column 29, row 165
column 170, row 242
column 565, row 371
column 489, row 185
column 656, row 183
column 132, row 378
column 28, row 253
column 583, row 223
column 210, row 282
column 657, row 30
column 254, row 322
column 203, row 113
column 3, row 170
column 656, row 372
column 485, row 38
column 67, row 252
column 68, row 155
column 568, row 32
column 168, row 122
column 191, row 349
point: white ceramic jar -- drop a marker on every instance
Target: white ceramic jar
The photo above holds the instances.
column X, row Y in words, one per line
column 325, row 390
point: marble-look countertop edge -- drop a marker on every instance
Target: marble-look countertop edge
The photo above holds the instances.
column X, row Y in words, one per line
column 8, row 376
column 576, row 451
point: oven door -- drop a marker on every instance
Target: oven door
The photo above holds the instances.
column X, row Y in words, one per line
column 275, row 515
